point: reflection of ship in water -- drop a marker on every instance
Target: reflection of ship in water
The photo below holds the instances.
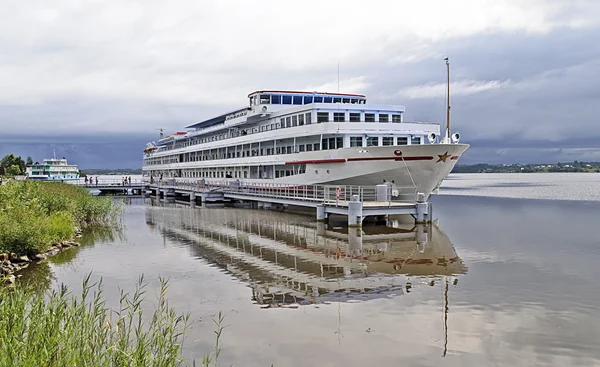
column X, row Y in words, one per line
column 288, row 262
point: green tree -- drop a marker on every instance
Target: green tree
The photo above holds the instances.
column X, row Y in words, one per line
column 13, row 170
column 29, row 161
column 11, row 160
column 7, row 161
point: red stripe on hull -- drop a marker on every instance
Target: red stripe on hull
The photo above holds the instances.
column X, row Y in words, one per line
column 318, row 161
column 416, row 158
column 372, row 159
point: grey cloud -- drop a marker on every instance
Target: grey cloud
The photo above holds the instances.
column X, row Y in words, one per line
column 545, row 99
column 87, row 151
column 135, row 77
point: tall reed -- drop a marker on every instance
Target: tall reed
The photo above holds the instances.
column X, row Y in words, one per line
column 58, row 328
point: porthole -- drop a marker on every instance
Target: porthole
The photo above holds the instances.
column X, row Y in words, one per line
column 316, row 172
column 327, row 171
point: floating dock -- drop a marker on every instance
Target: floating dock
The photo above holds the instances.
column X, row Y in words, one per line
column 354, row 202
column 116, row 187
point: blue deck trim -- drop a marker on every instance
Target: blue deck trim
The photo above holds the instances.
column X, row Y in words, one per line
column 215, row 120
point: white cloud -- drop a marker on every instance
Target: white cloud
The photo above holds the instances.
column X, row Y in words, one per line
column 95, row 57
column 460, row 88
column 216, row 51
column 352, row 85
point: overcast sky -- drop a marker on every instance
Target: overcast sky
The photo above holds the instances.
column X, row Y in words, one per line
column 96, row 79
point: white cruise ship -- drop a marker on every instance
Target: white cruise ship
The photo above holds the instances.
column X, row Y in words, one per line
column 306, row 138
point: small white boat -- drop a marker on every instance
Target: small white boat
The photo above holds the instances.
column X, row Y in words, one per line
column 53, row 169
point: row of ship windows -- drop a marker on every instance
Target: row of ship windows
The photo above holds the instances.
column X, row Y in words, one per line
column 302, row 119
column 298, row 120
column 300, row 100
column 358, row 117
column 326, row 144
column 236, row 173
column 292, row 121
column 207, row 155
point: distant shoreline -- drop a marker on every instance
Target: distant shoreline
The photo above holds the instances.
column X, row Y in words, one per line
column 119, row 171
column 572, row 167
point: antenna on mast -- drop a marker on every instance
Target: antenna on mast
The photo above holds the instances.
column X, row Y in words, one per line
column 338, row 76
column 447, row 137
column 161, row 132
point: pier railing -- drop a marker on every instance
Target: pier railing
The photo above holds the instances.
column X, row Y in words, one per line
column 330, row 194
column 110, row 183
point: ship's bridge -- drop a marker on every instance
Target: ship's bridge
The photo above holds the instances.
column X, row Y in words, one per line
column 264, row 97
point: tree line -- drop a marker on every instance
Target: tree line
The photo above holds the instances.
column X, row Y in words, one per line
column 13, row 165
column 575, row 166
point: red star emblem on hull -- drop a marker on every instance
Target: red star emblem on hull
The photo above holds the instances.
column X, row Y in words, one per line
column 443, row 157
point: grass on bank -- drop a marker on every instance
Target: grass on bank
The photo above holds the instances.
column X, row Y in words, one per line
column 33, row 215
column 59, row 329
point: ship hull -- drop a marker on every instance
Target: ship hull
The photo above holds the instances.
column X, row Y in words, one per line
column 422, row 167
column 409, row 168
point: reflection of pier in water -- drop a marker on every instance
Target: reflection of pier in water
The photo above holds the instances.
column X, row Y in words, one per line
column 306, row 263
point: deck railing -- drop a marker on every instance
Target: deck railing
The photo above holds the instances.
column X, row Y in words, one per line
column 177, row 144
column 330, row 194
column 110, row 183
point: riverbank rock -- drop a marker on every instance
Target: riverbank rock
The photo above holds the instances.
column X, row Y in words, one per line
column 20, row 259
column 10, row 279
column 53, row 251
column 11, row 263
column 67, row 244
column 40, row 257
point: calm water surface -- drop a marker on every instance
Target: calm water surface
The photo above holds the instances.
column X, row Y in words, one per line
column 498, row 281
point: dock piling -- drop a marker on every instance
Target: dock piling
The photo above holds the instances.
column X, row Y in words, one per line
column 355, row 212
column 321, row 214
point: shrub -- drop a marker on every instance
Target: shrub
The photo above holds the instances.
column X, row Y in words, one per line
column 33, row 215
